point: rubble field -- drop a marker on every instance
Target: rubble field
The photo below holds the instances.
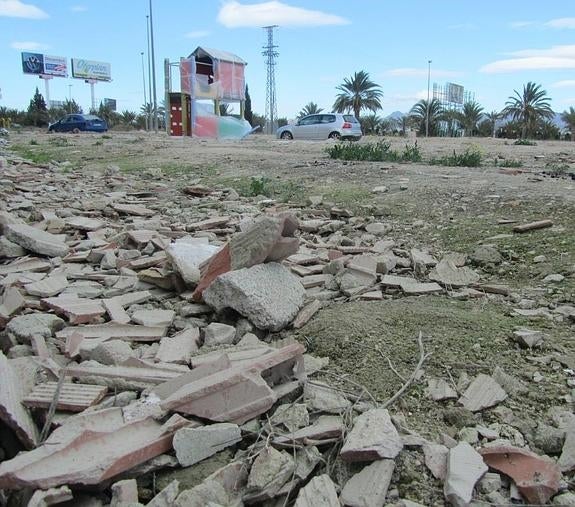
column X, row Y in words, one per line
column 194, row 323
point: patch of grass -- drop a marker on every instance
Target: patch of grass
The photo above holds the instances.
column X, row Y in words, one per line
column 106, row 136
column 99, row 143
column 471, row 157
column 58, row 141
column 285, row 191
column 348, row 196
column 34, row 156
column 33, row 142
column 554, row 169
column 508, row 163
column 524, row 142
column 374, row 152
column 260, row 186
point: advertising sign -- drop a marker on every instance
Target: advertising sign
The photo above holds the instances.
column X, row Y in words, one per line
column 454, row 93
column 89, row 69
column 39, row 64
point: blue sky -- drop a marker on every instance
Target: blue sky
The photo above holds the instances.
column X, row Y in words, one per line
column 489, row 47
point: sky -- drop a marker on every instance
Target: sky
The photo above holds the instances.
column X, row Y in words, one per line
column 491, row 48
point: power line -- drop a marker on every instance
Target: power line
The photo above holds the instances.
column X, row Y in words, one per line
column 271, row 107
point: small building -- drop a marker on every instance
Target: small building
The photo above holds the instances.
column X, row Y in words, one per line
column 208, row 78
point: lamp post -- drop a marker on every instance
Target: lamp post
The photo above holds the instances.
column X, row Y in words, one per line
column 144, row 84
column 149, row 109
column 155, row 105
column 427, row 108
column 70, row 92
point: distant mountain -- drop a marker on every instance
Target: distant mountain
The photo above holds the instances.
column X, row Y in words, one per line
column 396, row 115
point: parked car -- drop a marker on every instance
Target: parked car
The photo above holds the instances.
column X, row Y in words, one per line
column 323, row 126
column 79, row 123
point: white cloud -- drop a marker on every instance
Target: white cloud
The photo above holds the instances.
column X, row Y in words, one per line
column 233, row 14
column 78, row 8
column 409, row 97
column 567, row 83
column 556, row 57
column 521, row 24
column 561, row 23
column 29, row 46
column 422, row 72
column 197, row 34
column 18, row 9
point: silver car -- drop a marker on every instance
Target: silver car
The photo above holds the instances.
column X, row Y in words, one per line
column 322, row 126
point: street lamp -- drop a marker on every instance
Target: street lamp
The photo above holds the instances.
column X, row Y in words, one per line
column 144, row 83
column 70, row 92
column 427, row 108
column 155, row 105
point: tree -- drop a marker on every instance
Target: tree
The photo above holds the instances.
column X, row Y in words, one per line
column 37, row 111
column 469, row 116
column 370, row 124
column 226, row 110
column 569, row 118
column 357, row 93
column 419, row 115
column 128, row 118
column 492, row 118
column 529, row 107
column 309, row 108
column 248, row 113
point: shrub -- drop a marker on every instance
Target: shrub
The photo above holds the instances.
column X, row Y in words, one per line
column 554, row 169
column 524, row 142
column 471, row 157
column 508, row 163
column 374, row 152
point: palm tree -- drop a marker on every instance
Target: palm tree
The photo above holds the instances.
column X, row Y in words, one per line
column 569, row 118
column 469, row 116
column 357, row 93
column 492, row 118
column 128, row 117
column 309, row 108
column 529, row 107
column 419, row 114
column 371, row 124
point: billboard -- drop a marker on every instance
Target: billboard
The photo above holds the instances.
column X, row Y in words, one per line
column 89, row 69
column 110, row 104
column 39, row 64
column 454, row 93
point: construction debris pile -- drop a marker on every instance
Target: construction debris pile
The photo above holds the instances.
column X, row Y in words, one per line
column 137, row 335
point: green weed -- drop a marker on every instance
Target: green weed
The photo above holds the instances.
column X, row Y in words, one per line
column 374, row 152
column 33, row 142
column 508, row 163
column 554, row 169
column 471, row 157
column 58, row 141
column 524, row 142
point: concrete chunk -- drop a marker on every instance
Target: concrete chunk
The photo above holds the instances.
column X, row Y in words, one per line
column 270, row 471
column 76, row 310
column 372, row 437
column 323, row 398
column 269, row 295
column 48, row 287
column 448, row 274
column 439, row 389
column 167, row 496
column 219, row 334
column 35, row 240
column 178, row 349
column 465, row 467
column 24, row 327
column 186, row 255
column 482, row 393
column 154, row 317
column 368, row 488
column 193, row 445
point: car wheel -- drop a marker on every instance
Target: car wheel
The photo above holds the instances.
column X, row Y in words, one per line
column 76, row 131
column 335, row 135
column 286, row 135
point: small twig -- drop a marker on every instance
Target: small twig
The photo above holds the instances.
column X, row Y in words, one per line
column 422, row 357
column 53, row 404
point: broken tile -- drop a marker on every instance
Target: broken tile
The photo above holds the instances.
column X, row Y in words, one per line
column 12, row 413
column 464, row 468
column 219, row 334
column 324, row 398
column 439, row 389
column 528, row 337
column 36, row 240
column 483, row 393
column 193, row 445
column 448, row 274
column 179, row 348
column 319, row 492
column 47, row 287
column 372, row 437
column 154, row 318
column 536, row 477
column 71, row 397
column 84, row 223
column 368, row 488
column 167, row 496
column 306, row 313
column 76, row 310
column 124, row 492
column 436, row 459
column 52, row 496
column 270, row 471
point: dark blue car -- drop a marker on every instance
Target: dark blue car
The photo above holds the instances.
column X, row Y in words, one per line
column 79, row 123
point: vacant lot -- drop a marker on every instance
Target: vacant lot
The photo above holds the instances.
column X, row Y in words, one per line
column 436, row 208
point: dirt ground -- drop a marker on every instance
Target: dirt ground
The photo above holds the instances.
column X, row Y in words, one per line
column 438, row 208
